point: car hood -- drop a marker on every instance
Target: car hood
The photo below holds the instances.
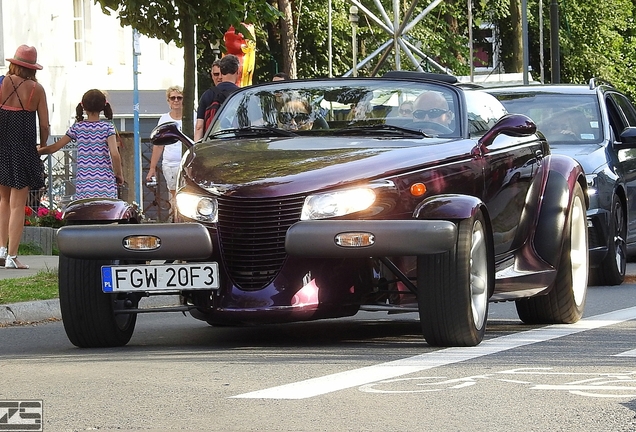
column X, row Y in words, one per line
column 590, row 156
column 288, row 166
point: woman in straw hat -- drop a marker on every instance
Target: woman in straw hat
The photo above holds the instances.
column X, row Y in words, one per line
column 21, row 170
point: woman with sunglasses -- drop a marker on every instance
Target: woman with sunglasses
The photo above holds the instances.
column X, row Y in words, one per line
column 171, row 153
column 431, row 112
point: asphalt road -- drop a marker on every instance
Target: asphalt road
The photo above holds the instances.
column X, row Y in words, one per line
column 370, row 372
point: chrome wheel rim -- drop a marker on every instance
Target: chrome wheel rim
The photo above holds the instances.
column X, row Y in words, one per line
column 619, row 241
column 578, row 250
column 478, row 275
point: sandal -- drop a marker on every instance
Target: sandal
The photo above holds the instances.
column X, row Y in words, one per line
column 3, row 255
column 11, row 262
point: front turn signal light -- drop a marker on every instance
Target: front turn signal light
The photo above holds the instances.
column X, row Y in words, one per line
column 418, row 189
column 142, row 242
column 355, row 239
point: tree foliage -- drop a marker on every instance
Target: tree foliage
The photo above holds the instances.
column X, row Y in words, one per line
column 175, row 20
column 597, row 37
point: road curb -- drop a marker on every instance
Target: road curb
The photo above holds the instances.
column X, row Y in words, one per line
column 30, row 311
column 42, row 310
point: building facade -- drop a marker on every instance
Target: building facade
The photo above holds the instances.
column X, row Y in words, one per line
column 81, row 48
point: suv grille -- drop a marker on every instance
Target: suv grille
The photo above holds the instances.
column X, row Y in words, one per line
column 252, row 237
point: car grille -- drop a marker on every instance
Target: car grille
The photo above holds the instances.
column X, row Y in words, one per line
column 252, row 237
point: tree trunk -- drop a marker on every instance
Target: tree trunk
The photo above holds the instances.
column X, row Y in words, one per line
column 288, row 38
column 186, row 27
column 517, row 37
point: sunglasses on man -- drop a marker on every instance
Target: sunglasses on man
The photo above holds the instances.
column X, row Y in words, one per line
column 431, row 113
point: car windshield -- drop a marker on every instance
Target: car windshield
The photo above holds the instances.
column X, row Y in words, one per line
column 348, row 106
column 563, row 118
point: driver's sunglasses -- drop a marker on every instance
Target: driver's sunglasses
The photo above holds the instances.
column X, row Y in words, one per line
column 298, row 117
column 176, row 98
column 432, row 113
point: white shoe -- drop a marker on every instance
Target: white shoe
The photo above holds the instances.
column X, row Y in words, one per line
column 3, row 255
column 11, row 262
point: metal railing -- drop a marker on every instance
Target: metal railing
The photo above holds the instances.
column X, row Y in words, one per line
column 60, row 171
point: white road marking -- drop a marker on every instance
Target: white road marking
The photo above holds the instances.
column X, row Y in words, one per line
column 358, row 377
column 630, row 353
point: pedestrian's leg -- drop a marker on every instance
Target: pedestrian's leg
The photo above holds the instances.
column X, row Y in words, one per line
column 17, row 202
column 5, row 211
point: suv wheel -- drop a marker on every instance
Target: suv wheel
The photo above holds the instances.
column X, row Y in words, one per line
column 612, row 269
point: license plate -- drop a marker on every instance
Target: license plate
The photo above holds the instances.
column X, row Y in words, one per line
column 173, row 277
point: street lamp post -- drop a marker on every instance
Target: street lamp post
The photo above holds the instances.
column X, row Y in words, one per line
column 353, row 18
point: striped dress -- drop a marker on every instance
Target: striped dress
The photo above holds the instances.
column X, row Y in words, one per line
column 95, row 177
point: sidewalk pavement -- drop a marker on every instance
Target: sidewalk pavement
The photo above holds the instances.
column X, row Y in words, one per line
column 50, row 309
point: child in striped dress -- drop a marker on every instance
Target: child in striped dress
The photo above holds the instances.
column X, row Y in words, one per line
column 99, row 169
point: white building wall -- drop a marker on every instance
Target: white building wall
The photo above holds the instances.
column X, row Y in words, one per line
column 108, row 61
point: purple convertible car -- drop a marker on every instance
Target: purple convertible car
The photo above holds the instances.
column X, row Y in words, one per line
column 313, row 199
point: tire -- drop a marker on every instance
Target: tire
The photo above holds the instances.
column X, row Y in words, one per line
column 565, row 300
column 453, row 288
column 613, row 267
column 88, row 313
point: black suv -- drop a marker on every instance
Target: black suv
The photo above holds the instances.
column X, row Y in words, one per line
column 596, row 125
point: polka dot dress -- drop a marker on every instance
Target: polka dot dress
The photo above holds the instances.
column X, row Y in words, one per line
column 20, row 164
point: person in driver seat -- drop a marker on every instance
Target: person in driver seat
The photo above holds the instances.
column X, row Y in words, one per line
column 297, row 114
column 432, row 107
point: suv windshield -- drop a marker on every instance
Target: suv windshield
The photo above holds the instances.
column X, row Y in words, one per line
column 563, row 118
column 326, row 108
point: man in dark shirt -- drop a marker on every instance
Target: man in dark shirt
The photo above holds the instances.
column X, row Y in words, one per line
column 229, row 67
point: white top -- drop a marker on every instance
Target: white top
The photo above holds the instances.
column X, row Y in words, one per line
column 171, row 152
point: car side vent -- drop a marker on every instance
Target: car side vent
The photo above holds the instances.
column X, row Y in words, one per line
column 252, row 237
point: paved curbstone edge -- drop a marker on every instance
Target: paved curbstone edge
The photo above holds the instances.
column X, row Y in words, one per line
column 41, row 310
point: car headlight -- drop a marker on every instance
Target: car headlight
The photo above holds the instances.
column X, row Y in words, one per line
column 339, row 203
column 197, row 207
column 592, row 184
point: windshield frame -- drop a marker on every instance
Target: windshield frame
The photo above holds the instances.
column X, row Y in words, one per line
column 330, row 100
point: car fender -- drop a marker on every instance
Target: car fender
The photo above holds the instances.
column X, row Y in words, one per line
column 561, row 174
column 448, row 207
column 100, row 210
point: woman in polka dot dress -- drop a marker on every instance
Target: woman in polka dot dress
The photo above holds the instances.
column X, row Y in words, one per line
column 99, row 168
column 22, row 98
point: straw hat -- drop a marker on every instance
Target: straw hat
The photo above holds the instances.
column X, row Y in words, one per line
column 26, row 56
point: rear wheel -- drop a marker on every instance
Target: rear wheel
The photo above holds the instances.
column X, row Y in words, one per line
column 565, row 300
column 453, row 288
column 612, row 269
column 88, row 313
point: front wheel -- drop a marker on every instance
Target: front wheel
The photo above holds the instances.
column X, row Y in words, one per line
column 88, row 313
column 613, row 267
column 565, row 300
column 453, row 288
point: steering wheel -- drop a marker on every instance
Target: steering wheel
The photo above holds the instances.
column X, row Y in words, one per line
column 431, row 126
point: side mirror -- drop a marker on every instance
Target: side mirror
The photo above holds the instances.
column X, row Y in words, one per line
column 516, row 125
column 627, row 139
column 168, row 133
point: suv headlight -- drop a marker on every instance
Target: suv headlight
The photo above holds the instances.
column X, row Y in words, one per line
column 197, row 207
column 339, row 203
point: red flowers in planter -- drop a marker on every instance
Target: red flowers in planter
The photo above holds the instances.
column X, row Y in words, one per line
column 43, row 218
